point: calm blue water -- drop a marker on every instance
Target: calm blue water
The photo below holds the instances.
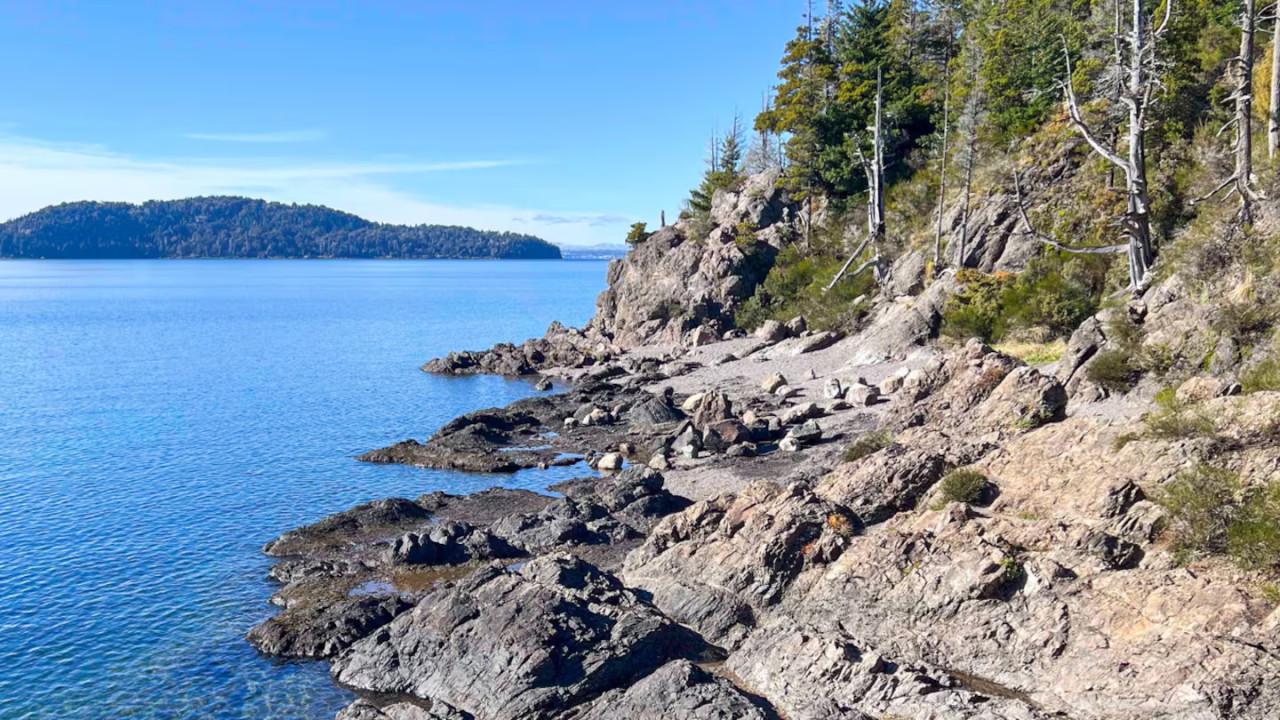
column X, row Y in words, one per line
column 161, row 420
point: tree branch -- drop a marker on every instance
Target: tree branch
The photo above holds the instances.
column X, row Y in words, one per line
column 845, row 268
column 1077, row 120
column 1030, row 230
column 1225, row 184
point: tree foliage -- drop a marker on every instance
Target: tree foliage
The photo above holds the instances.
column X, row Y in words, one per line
column 235, row 227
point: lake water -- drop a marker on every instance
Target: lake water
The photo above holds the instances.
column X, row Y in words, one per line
column 161, row 420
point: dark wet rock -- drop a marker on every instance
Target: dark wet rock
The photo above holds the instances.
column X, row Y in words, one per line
column 418, row 710
column 559, row 347
column 529, row 433
column 543, row 385
column 322, row 630
column 450, row 543
column 679, row 690
column 340, row 529
column 655, row 411
column 483, row 507
column 616, row 510
column 506, row 644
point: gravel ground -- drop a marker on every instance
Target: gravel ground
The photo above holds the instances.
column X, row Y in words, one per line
column 741, row 381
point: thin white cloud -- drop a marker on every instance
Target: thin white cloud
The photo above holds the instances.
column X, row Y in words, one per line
column 287, row 136
column 36, row 174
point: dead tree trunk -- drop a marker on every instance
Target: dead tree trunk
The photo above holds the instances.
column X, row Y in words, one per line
column 942, row 181
column 874, row 168
column 1244, row 112
column 1273, row 112
column 1241, row 180
column 1139, row 85
column 942, row 170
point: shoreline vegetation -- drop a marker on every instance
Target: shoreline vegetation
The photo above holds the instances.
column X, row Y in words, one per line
column 236, row 227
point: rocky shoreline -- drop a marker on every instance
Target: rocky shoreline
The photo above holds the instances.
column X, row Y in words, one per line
column 767, row 533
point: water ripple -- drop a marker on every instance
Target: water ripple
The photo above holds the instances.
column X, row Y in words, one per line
column 162, row 420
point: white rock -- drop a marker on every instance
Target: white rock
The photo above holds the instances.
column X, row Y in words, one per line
column 691, row 402
column 773, row 382
column 610, row 462
column 800, row 413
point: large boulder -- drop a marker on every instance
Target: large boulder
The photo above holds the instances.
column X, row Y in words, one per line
column 320, row 631
column 508, row 644
column 719, row 563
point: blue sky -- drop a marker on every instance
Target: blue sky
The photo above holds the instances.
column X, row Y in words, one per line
column 566, row 119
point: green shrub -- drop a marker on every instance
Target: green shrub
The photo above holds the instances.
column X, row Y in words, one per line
column 1214, row 514
column 963, row 485
column 1262, row 376
column 638, row 233
column 1176, row 419
column 796, row 285
column 977, row 309
column 868, row 444
column 1052, row 293
column 1113, row 370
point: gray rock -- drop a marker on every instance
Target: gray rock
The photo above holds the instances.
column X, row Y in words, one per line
column 321, row 631
column 544, row 384
column 807, row 433
column 610, row 462
column 831, row 389
column 771, row 331
column 365, row 710
column 565, row 632
column 860, row 395
column 679, row 690
column 797, row 325
column 653, row 412
column 771, row 383
column 800, row 413
column 786, row 391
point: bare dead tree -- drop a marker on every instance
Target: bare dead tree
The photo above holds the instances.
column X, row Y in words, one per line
column 973, row 106
column 1241, row 181
column 946, row 136
column 1142, row 78
column 873, row 166
column 1117, row 60
column 1273, row 112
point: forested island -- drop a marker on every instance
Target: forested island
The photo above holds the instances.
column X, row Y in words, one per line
column 237, row 227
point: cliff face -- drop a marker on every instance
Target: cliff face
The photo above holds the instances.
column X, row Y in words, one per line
column 684, row 278
column 678, row 287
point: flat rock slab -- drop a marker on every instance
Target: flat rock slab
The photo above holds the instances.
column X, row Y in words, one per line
column 507, row 644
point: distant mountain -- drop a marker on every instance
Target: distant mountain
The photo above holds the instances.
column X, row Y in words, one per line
column 594, row 252
column 236, row 227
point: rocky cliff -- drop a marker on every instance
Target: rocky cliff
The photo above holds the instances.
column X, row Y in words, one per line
column 864, row 523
